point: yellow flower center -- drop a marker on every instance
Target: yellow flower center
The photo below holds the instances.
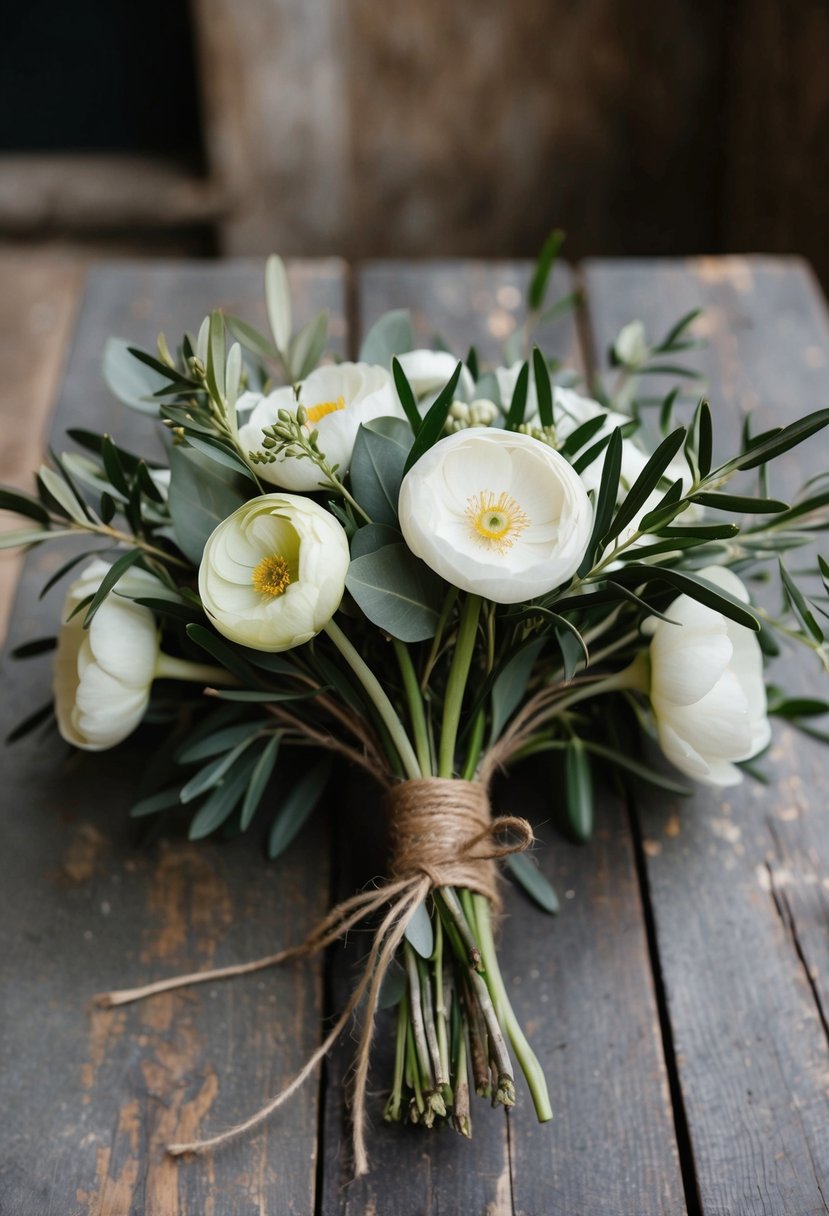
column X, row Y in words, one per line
column 272, row 576
column 495, row 521
column 315, row 412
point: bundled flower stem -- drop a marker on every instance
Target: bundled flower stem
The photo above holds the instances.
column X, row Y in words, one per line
column 430, row 570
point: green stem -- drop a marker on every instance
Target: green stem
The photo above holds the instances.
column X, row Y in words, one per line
column 524, row 1053
column 635, row 676
column 378, row 698
column 168, row 668
column 413, row 1070
column 392, row 1112
column 440, row 1001
column 416, row 1018
column 448, row 604
column 135, row 542
column 475, row 745
column 415, row 700
column 456, row 684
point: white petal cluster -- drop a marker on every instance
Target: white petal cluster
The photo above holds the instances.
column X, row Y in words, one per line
column 707, row 688
column 273, row 572
column 496, row 513
column 570, row 410
column 102, row 675
column 337, row 399
column 428, row 371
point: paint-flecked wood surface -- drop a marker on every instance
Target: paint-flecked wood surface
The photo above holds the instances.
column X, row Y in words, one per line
column 736, row 883
column 89, row 1099
column 740, row 879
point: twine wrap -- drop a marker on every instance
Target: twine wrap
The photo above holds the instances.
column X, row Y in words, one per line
column 442, row 829
column 442, row 835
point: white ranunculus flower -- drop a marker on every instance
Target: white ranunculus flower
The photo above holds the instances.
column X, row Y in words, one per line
column 102, row 675
column 273, row 572
column 496, row 513
column 428, row 371
column 337, row 399
column 707, row 688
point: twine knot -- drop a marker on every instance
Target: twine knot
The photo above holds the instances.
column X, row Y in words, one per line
column 443, row 835
column 443, row 829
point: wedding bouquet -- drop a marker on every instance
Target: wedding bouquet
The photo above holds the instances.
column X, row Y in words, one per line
column 430, row 570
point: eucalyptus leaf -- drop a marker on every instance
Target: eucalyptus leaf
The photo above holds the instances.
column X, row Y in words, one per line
column 200, row 497
column 419, row 932
column 510, row 685
column 377, row 464
column 391, row 335
column 397, row 592
column 372, row 537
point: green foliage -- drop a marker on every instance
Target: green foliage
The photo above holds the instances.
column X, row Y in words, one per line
column 377, row 464
column 391, row 335
column 397, row 592
column 200, row 498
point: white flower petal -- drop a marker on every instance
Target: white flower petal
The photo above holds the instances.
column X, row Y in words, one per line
column 469, row 471
column 102, row 676
column 313, row 544
column 703, row 721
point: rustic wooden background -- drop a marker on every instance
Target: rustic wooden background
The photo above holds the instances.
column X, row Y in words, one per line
column 679, row 1001
column 371, row 128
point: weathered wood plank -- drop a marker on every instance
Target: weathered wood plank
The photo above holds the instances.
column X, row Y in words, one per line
column 739, row 880
column 581, row 983
column 91, row 1100
column 37, row 308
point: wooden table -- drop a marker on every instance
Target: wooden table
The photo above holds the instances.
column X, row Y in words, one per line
column 678, row 1003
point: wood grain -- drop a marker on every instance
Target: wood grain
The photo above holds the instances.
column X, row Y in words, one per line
column 738, row 880
column 37, row 310
column 581, row 982
column 87, row 903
